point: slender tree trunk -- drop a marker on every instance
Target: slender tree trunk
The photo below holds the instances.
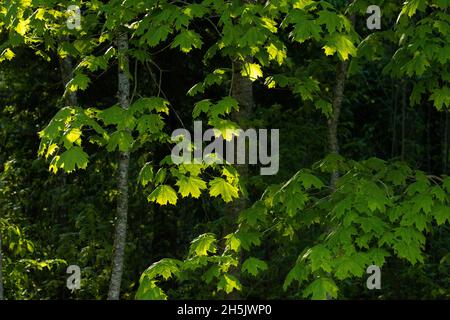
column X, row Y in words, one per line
column 70, row 99
column 66, row 75
column 122, row 198
column 333, row 121
column 242, row 91
column 1, row 268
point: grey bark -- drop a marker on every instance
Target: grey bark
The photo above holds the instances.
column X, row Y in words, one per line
column 70, row 99
column 122, row 180
column 242, row 91
column 333, row 121
column 66, row 75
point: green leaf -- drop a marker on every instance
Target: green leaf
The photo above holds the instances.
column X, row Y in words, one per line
column 441, row 98
column 369, row 224
column 446, row 184
column 411, row 6
column 324, row 106
column 253, row 266
column 120, row 139
column 277, row 54
column 72, row 136
column 228, row 283
column 155, row 36
column 252, row 71
column 6, row 54
column 341, row 44
column 201, row 106
column 22, row 27
column 441, row 214
column 150, row 104
column 254, row 214
column 304, row 27
column 252, row 37
column 423, row 202
column 220, row 187
column 307, row 88
column 409, row 243
column 417, row 65
column 163, row 195
column 187, row 40
column 378, row 256
column 72, row 158
column 112, row 115
column 233, row 242
column 321, row 288
column 320, row 258
column 152, row 123
column 308, row 180
column 148, row 290
column 160, row 176
column 347, row 266
column 213, row 272
column 190, row 186
column 225, row 128
column 269, row 24
column 146, row 174
column 224, row 106
column 203, row 244
column 195, row 10
column 302, row 4
column 298, row 273
column 331, row 20
column 79, row 82
column 165, row 268
column 248, row 239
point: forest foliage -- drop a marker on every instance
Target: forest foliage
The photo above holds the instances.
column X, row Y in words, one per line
column 364, row 148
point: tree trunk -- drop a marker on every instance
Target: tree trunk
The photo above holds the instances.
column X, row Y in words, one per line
column 242, row 91
column 122, row 198
column 66, row 75
column 70, row 99
column 333, row 121
column 1, row 269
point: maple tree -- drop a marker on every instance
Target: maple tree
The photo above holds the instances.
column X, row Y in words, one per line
column 371, row 211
